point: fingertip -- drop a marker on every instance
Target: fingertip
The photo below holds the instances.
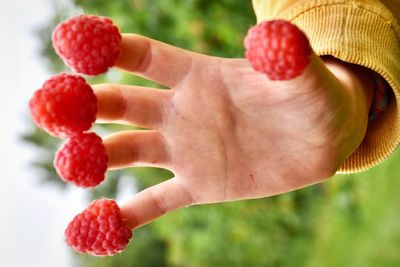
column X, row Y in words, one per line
column 134, row 50
column 111, row 104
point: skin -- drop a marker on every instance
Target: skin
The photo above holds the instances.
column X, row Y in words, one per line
column 225, row 130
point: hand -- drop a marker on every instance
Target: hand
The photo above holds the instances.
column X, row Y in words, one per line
column 226, row 131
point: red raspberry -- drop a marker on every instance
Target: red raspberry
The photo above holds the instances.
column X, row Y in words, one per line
column 82, row 160
column 98, row 230
column 64, row 106
column 88, row 44
column 278, row 49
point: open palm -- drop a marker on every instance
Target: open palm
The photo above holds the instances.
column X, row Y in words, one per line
column 226, row 131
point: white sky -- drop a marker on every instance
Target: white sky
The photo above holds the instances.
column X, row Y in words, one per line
column 32, row 216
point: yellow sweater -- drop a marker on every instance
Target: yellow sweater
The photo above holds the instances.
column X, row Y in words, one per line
column 363, row 32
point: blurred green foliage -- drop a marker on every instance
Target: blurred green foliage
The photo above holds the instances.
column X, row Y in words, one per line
column 348, row 221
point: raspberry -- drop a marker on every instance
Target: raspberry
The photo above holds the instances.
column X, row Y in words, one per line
column 82, row 160
column 88, row 44
column 64, row 106
column 98, row 230
column 278, row 49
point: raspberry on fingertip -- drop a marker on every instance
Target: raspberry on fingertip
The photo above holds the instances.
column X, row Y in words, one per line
column 98, row 230
column 278, row 48
column 82, row 160
column 64, row 106
column 89, row 44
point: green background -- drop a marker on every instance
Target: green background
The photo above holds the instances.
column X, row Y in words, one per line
column 350, row 220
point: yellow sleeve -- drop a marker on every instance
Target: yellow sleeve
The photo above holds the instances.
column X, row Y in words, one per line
column 362, row 32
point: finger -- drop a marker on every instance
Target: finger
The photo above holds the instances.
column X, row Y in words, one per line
column 135, row 105
column 136, row 148
column 154, row 202
column 314, row 75
column 154, row 60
